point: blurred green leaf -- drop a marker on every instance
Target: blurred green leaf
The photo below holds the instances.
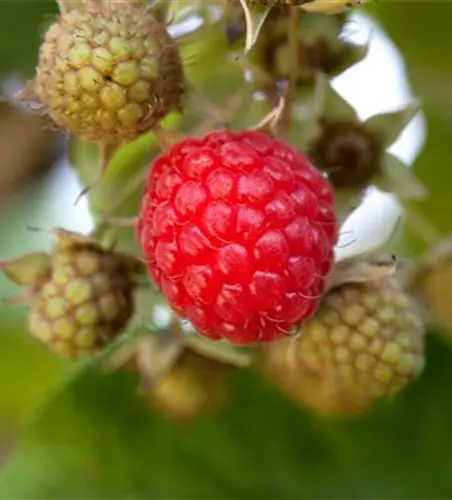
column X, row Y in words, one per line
column 421, row 29
column 399, row 179
column 334, row 106
column 22, row 24
column 31, row 371
column 95, row 439
column 388, row 126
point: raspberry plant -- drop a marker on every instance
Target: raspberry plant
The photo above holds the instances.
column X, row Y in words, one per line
column 221, row 160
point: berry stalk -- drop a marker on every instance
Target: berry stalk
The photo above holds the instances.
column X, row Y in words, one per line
column 293, row 44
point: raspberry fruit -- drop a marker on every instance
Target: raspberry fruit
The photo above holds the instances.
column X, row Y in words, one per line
column 238, row 230
column 365, row 342
column 108, row 71
column 82, row 297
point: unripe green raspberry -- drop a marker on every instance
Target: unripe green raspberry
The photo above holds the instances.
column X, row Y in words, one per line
column 350, row 154
column 194, row 386
column 82, row 296
column 321, row 48
column 108, row 71
column 365, row 342
column 431, row 282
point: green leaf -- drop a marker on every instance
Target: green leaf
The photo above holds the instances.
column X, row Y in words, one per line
column 27, row 269
column 22, row 24
column 334, row 106
column 352, row 54
column 388, row 126
column 400, row 179
column 311, row 106
column 420, row 31
column 96, row 439
column 26, row 386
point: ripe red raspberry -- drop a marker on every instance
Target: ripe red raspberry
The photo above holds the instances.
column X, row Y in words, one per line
column 239, row 231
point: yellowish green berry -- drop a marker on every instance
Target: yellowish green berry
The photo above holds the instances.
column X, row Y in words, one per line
column 431, row 282
column 82, row 295
column 194, row 386
column 108, row 71
column 86, row 301
column 365, row 342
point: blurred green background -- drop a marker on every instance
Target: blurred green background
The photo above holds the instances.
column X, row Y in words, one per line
column 71, row 432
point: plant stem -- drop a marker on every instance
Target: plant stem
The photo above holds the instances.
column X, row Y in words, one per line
column 106, row 152
column 292, row 39
column 176, row 327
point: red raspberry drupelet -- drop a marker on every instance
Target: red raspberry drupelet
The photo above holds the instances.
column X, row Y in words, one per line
column 238, row 230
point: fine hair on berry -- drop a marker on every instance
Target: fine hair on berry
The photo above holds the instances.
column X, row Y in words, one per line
column 238, row 231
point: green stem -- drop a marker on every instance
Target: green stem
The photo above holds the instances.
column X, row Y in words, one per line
column 292, row 39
